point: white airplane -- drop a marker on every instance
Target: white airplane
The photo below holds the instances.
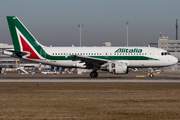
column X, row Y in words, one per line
column 115, row 60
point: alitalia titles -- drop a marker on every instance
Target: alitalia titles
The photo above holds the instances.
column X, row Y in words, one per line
column 126, row 50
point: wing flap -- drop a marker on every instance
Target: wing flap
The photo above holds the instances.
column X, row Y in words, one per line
column 90, row 61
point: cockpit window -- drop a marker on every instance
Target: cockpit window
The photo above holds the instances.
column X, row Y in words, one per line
column 165, row 53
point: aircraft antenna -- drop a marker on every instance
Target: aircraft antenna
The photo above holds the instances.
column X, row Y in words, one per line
column 176, row 30
column 127, row 23
column 80, row 29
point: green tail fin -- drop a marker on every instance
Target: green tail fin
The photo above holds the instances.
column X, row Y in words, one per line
column 23, row 40
column 16, row 27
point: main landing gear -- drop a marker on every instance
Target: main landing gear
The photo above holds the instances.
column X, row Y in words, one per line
column 93, row 74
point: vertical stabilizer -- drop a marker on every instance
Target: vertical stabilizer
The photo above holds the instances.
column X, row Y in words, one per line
column 23, row 40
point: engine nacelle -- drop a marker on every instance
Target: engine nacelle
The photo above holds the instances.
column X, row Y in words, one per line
column 117, row 68
column 79, row 65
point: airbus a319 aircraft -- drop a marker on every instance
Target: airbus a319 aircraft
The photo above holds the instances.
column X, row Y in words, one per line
column 115, row 60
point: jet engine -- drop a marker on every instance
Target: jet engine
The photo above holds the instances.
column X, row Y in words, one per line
column 116, row 68
column 79, row 65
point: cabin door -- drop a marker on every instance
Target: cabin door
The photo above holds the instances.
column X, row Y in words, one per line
column 151, row 53
column 43, row 54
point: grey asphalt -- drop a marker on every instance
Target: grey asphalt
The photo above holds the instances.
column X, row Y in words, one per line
column 93, row 80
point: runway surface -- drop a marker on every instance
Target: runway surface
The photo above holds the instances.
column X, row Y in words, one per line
column 165, row 77
column 93, row 80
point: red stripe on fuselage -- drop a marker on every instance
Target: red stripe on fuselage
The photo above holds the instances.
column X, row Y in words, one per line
column 27, row 48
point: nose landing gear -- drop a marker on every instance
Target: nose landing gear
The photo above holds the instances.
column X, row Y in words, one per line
column 151, row 75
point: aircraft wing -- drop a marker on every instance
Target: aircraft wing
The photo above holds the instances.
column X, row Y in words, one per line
column 90, row 61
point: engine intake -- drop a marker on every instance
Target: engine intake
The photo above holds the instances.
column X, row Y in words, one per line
column 117, row 68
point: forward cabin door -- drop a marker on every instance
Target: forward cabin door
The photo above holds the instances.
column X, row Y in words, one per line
column 151, row 57
column 151, row 52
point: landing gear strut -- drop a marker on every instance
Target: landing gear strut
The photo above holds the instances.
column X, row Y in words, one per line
column 93, row 74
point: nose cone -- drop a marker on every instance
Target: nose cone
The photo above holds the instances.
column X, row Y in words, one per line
column 174, row 60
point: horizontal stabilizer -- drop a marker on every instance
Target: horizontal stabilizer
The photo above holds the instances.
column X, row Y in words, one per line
column 13, row 53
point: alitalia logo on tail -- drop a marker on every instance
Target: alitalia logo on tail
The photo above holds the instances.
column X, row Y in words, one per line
column 25, row 46
column 23, row 40
column 126, row 50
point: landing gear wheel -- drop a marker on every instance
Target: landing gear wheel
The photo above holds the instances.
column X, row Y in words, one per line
column 96, row 74
column 93, row 74
column 151, row 75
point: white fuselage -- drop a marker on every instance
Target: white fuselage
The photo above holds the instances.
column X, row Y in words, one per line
column 149, row 57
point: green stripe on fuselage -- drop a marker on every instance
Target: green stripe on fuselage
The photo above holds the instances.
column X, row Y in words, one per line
column 102, row 57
